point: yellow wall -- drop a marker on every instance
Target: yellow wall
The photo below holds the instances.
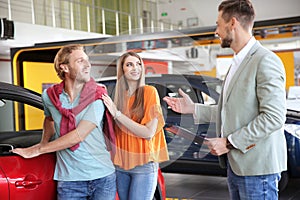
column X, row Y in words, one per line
column 288, row 61
column 212, row 73
column 35, row 74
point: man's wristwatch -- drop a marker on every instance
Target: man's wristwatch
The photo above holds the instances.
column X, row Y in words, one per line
column 229, row 145
column 118, row 114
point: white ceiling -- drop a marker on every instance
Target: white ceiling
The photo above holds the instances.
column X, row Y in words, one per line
column 29, row 34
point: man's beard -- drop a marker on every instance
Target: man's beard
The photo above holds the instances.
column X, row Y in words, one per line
column 82, row 78
column 226, row 42
column 79, row 77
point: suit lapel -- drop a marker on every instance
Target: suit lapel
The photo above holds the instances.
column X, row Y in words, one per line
column 243, row 65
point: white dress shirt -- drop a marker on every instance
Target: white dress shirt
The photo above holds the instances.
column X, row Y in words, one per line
column 236, row 62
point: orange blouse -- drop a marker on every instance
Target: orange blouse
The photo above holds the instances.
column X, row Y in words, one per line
column 131, row 150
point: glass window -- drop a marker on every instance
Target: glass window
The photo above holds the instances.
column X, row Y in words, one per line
column 17, row 116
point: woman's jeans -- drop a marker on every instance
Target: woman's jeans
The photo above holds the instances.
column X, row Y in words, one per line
column 98, row 189
column 137, row 183
column 264, row 187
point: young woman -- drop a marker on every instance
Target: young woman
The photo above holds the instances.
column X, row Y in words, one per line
column 140, row 141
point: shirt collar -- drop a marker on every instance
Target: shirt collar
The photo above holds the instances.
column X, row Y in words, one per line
column 238, row 58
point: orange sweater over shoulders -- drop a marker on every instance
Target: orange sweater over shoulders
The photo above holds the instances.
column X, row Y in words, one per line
column 131, row 150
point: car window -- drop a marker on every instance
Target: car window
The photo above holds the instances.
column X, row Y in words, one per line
column 207, row 99
column 16, row 116
column 172, row 91
column 110, row 87
column 20, row 125
column 6, row 116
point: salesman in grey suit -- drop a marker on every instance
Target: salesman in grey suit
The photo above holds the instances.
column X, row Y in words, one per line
column 251, row 110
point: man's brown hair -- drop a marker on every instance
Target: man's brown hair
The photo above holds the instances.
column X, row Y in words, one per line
column 63, row 56
column 242, row 10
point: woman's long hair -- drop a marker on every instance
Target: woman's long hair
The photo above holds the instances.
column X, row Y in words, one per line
column 136, row 112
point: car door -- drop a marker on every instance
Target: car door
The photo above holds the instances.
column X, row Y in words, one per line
column 27, row 178
column 183, row 145
column 184, row 138
column 23, row 178
column 4, row 194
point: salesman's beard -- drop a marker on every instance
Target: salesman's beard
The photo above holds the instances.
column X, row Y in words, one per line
column 226, row 41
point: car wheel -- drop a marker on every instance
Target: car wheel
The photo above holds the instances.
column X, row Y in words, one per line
column 283, row 181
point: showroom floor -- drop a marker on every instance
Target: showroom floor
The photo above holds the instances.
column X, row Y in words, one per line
column 196, row 187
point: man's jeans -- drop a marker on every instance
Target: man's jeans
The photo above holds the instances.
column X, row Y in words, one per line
column 264, row 187
column 137, row 183
column 98, row 189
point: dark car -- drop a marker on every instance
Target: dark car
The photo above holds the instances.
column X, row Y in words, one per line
column 184, row 138
column 20, row 112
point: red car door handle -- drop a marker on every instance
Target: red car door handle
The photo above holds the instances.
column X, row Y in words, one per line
column 28, row 184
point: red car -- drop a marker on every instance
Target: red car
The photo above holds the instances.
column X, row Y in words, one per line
column 20, row 111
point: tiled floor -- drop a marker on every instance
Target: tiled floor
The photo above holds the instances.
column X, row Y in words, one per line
column 196, row 187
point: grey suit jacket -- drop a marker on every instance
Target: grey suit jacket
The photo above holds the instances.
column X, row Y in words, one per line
column 253, row 114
